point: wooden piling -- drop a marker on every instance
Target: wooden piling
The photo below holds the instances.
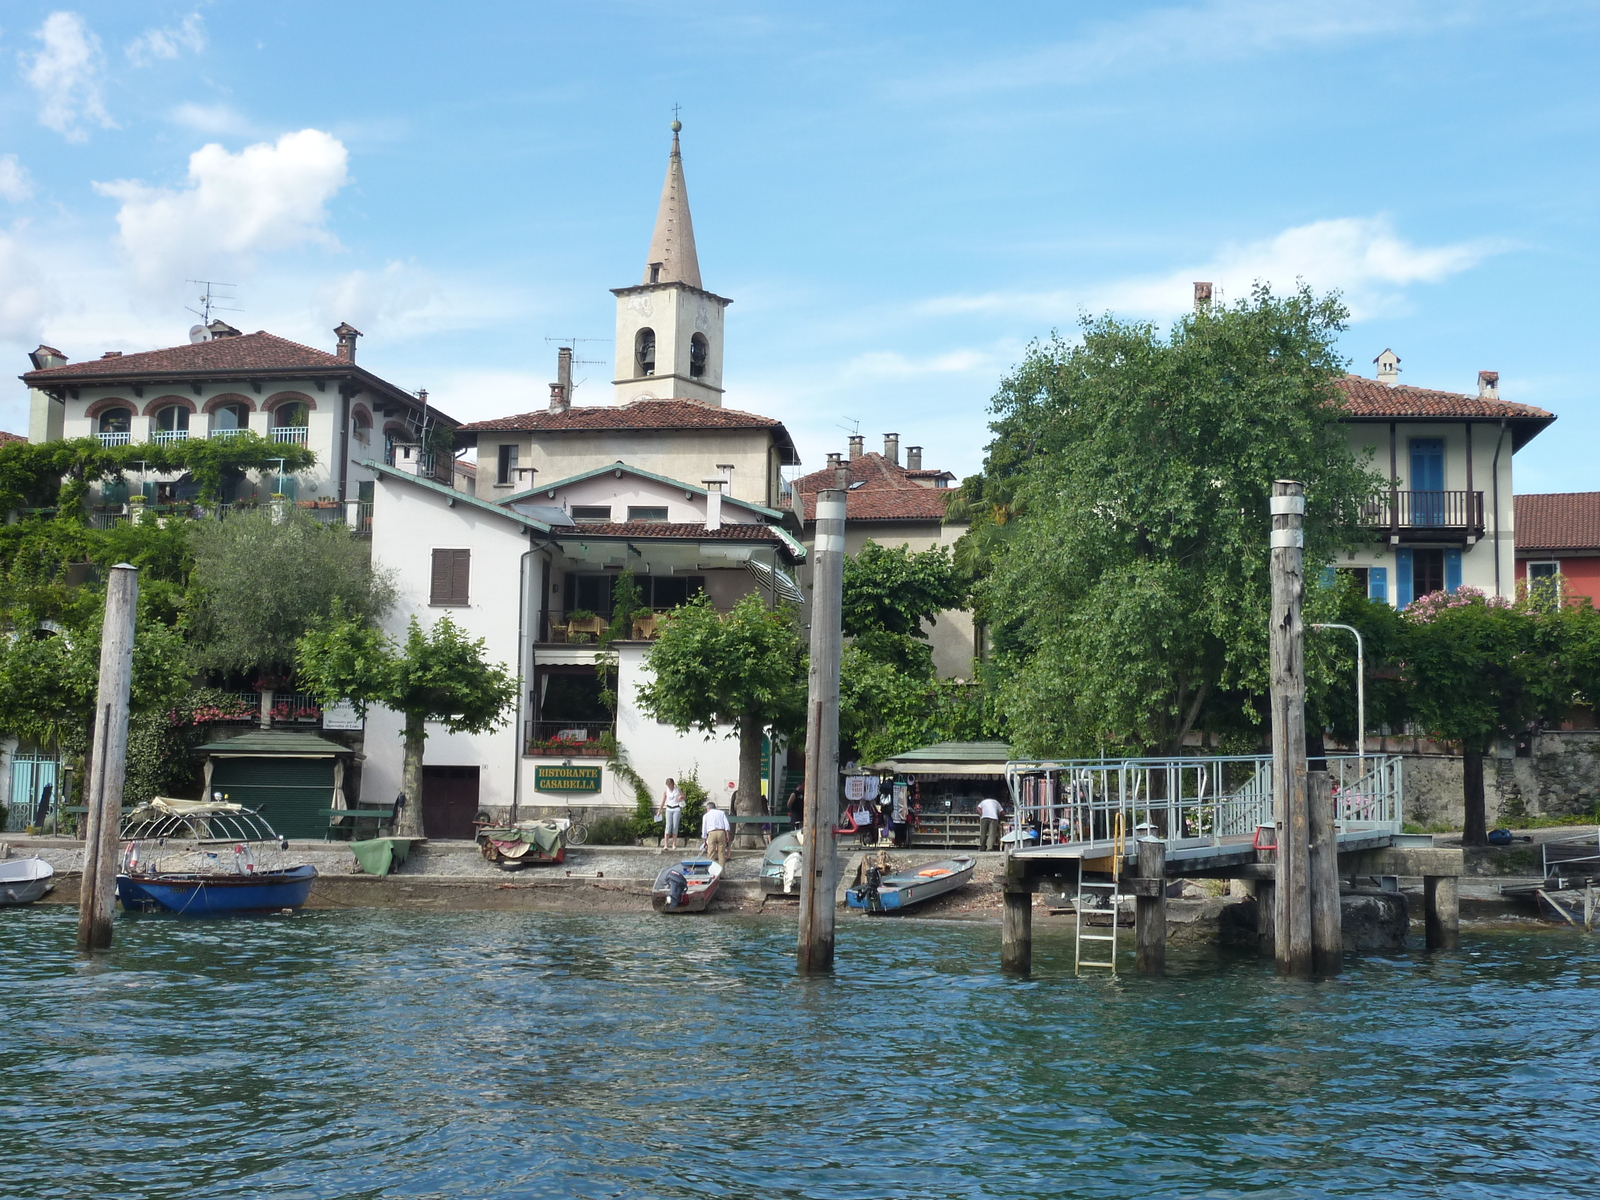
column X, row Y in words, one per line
column 1286, row 635
column 1150, row 908
column 1327, row 927
column 97, row 897
column 1266, row 917
column 814, row 954
column 1016, row 933
column 1442, row 911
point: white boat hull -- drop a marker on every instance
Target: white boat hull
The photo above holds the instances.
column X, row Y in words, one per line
column 25, row 880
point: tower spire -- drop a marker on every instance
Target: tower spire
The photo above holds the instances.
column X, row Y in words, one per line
column 672, row 258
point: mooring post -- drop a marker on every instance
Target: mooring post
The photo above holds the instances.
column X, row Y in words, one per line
column 1266, row 917
column 1150, row 908
column 1016, row 932
column 1286, row 635
column 1327, row 927
column 97, row 900
column 814, row 955
column 1442, row 911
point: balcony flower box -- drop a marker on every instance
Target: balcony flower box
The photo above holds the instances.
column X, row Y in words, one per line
column 566, row 748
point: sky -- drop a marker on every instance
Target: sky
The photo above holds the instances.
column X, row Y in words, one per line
column 898, row 197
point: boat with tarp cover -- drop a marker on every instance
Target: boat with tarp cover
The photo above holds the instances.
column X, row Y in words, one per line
column 889, row 892
column 525, row 844
column 206, row 858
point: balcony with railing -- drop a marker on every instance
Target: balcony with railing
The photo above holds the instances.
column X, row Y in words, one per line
column 165, row 437
column 581, row 627
column 290, row 433
column 122, row 438
column 575, row 739
column 1412, row 516
column 220, row 434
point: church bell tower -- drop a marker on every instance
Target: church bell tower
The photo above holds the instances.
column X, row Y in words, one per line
column 669, row 328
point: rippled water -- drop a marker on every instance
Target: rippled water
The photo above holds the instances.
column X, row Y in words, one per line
column 355, row 1054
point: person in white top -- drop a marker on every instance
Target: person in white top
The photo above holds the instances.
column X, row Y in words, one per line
column 671, row 813
column 989, row 814
column 714, row 829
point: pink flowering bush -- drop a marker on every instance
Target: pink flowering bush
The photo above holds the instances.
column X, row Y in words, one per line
column 1425, row 608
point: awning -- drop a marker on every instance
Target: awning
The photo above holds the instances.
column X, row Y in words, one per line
column 775, row 581
column 950, row 758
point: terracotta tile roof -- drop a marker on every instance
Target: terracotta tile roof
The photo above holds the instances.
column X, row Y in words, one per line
column 641, row 414
column 259, row 351
column 7, row 438
column 1558, row 521
column 1369, row 398
column 751, row 532
column 887, row 492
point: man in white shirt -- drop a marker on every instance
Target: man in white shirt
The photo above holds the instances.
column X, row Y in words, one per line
column 671, row 812
column 714, row 829
column 989, row 813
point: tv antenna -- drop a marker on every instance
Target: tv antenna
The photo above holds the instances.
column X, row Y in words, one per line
column 569, row 343
column 852, row 427
column 208, row 305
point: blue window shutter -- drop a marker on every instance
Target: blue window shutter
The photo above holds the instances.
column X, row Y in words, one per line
column 1402, row 578
column 1378, row 584
column 1452, row 570
column 1329, row 577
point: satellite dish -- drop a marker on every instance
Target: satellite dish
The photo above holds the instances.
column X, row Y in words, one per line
column 199, row 333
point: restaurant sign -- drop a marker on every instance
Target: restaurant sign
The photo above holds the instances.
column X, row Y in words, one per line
column 566, row 779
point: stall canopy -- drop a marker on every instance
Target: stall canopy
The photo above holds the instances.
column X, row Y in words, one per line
column 950, row 758
column 290, row 778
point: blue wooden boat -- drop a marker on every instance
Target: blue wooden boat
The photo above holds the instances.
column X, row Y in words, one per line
column 889, row 893
column 206, row 859
column 213, row 895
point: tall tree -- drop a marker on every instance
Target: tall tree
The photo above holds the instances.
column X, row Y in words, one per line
column 1481, row 668
column 261, row 580
column 439, row 675
column 1132, row 595
column 745, row 668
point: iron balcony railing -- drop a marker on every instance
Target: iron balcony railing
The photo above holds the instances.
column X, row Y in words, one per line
column 1411, row 510
column 1186, row 801
column 115, row 439
column 290, row 433
column 581, row 738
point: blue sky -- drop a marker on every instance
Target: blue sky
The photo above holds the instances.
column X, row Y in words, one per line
column 897, row 196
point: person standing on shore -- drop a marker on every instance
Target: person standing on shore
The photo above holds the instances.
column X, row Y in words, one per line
column 671, row 813
column 989, row 813
column 797, row 807
column 714, row 829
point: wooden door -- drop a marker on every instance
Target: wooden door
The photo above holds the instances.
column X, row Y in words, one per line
column 449, row 801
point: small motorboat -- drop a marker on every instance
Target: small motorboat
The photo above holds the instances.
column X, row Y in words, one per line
column 686, row 886
column 890, row 892
column 206, row 859
column 24, row 880
column 780, row 875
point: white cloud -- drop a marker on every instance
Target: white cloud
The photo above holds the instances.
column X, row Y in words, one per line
column 266, row 197
column 889, row 364
column 398, row 301
column 15, row 185
column 155, row 44
column 66, row 74
column 1361, row 257
column 211, row 118
column 24, row 297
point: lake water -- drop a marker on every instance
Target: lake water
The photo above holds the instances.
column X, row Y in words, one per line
column 377, row 1053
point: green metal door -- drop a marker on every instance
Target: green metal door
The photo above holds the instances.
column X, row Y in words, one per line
column 290, row 792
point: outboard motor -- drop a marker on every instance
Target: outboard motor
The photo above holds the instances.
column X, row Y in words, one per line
column 869, row 890
column 676, row 885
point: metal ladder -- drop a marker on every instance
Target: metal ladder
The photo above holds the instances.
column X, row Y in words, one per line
column 1112, row 892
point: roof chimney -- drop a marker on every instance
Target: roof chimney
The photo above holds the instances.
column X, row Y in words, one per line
column 1388, row 367
column 347, row 335
column 46, row 357
column 858, row 446
column 221, row 329
column 561, row 389
column 713, row 501
column 1202, row 296
column 913, row 458
column 1488, row 385
column 841, row 473
column 891, row 447
column 118, row 354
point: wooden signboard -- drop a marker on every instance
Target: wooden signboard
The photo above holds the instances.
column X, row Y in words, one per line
column 566, row 779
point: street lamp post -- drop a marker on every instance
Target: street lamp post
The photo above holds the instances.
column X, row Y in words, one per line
column 1361, row 699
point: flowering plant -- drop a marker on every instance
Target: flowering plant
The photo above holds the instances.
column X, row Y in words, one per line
column 1426, row 608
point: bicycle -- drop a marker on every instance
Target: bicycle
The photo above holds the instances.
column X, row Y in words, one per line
column 577, row 832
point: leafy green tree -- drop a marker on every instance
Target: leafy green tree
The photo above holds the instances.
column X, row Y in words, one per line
column 745, row 668
column 261, row 580
column 1132, row 596
column 894, row 590
column 1481, row 668
column 439, row 675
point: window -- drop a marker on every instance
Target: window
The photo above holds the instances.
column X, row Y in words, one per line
column 1427, row 482
column 116, row 420
column 361, row 426
column 505, row 471
column 1544, row 582
column 230, row 417
column 1359, row 574
column 173, row 419
column 595, row 593
column 291, row 415
column 638, row 512
column 592, row 513
column 451, row 569
column 644, row 352
column 699, row 351
column 1427, row 572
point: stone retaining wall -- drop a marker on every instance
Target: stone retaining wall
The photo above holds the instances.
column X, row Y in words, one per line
column 1561, row 778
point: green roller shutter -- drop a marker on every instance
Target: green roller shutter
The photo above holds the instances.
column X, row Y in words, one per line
column 292, row 792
